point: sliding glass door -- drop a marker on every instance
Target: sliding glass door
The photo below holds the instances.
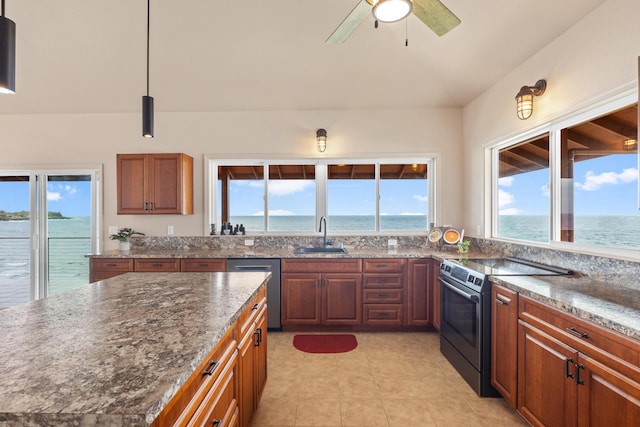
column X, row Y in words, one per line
column 48, row 223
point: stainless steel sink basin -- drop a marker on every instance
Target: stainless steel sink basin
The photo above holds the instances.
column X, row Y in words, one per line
column 320, row 250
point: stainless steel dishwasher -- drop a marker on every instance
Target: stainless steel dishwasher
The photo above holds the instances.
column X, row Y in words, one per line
column 273, row 286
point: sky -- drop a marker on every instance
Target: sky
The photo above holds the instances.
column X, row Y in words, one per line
column 346, row 197
column 70, row 198
column 606, row 185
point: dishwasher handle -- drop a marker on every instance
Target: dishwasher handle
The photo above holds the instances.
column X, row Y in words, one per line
column 252, row 267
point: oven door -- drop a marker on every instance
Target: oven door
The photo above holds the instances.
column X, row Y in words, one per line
column 461, row 320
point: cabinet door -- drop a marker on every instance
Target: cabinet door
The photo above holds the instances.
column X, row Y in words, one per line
column 203, row 264
column 261, row 355
column 246, row 374
column 606, row 397
column 418, row 297
column 435, row 287
column 167, row 177
column 301, row 299
column 132, row 183
column 342, row 299
column 547, row 394
column 504, row 342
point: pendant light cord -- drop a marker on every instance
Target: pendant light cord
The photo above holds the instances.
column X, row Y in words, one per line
column 2, row 11
column 148, row 24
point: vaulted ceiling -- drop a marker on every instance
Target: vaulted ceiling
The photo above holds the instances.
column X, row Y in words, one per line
column 84, row 56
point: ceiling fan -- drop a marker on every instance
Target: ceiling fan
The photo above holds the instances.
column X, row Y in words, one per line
column 433, row 13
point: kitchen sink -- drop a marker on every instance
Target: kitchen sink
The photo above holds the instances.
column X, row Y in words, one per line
column 320, row 250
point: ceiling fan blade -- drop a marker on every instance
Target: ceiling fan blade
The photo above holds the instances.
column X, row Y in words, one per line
column 350, row 23
column 435, row 15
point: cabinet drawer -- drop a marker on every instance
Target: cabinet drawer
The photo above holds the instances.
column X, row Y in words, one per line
column 156, row 264
column 319, row 265
column 383, row 314
column 384, row 296
column 104, row 265
column 96, row 277
column 203, row 264
column 383, row 265
column 221, row 403
column 383, row 280
column 249, row 315
column 585, row 336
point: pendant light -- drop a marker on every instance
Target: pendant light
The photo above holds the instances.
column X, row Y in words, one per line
column 7, row 54
column 147, row 101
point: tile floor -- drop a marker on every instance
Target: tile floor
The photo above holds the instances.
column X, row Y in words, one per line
column 390, row 379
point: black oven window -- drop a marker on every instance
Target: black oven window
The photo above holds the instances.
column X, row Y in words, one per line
column 461, row 316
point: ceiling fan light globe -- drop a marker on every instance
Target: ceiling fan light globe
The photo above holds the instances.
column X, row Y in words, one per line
column 391, row 10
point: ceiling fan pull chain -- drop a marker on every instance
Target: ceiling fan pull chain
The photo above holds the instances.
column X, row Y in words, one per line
column 406, row 33
column 375, row 24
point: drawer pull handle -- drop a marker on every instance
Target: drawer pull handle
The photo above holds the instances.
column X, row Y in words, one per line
column 157, row 265
column 255, row 306
column 499, row 301
column 216, row 423
column 212, row 367
column 577, row 333
column 112, row 265
column 567, row 374
column 383, row 296
column 203, row 264
column 382, row 265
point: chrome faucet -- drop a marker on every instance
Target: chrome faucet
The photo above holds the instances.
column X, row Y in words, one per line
column 324, row 237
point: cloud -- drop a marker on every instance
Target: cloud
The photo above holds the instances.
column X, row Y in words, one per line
column 510, row 211
column 412, row 213
column 506, row 181
column 593, row 182
column 70, row 189
column 545, row 190
column 285, row 187
column 53, row 196
column 505, row 198
column 420, row 198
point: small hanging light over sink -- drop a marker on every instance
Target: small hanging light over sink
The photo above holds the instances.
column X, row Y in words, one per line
column 147, row 101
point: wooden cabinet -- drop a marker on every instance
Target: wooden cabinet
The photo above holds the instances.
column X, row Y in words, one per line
column 504, row 342
column 321, row 291
column 383, row 280
column 106, row 268
column 435, row 287
column 252, row 349
column 572, row 372
column 203, row 265
column 419, row 292
column 158, row 265
column 154, row 184
column 225, row 388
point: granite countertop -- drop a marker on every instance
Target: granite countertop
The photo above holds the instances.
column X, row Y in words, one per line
column 113, row 353
column 606, row 304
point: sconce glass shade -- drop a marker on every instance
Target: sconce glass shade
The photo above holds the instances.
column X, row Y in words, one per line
column 524, row 98
column 147, row 116
column 7, row 56
column 321, row 140
column 524, row 103
column 391, row 10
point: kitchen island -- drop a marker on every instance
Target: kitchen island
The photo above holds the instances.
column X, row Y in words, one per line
column 115, row 352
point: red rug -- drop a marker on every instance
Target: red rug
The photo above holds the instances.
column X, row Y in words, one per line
column 325, row 343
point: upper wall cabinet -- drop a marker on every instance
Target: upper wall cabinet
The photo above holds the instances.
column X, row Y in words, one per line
column 155, row 184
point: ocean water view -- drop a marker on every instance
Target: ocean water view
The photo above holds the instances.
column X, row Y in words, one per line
column 69, row 241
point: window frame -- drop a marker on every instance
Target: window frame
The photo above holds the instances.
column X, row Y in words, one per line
column 554, row 129
column 321, row 177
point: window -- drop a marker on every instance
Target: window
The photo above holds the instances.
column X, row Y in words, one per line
column 523, row 191
column 48, row 223
column 592, row 166
column 355, row 196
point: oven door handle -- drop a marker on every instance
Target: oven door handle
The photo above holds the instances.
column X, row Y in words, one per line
column 471, row 297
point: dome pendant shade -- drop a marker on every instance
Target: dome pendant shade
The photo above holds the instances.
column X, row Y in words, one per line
column 391, row 10
column 7, row 56
column 147, row 116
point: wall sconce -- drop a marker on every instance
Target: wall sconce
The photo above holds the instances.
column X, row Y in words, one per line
column 629, row 144
column 321, row 140
column 390, row 10
column 7, row 54
column 524, row 98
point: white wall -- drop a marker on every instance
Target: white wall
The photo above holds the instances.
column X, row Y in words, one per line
column 595, row 59
column 83, row 140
